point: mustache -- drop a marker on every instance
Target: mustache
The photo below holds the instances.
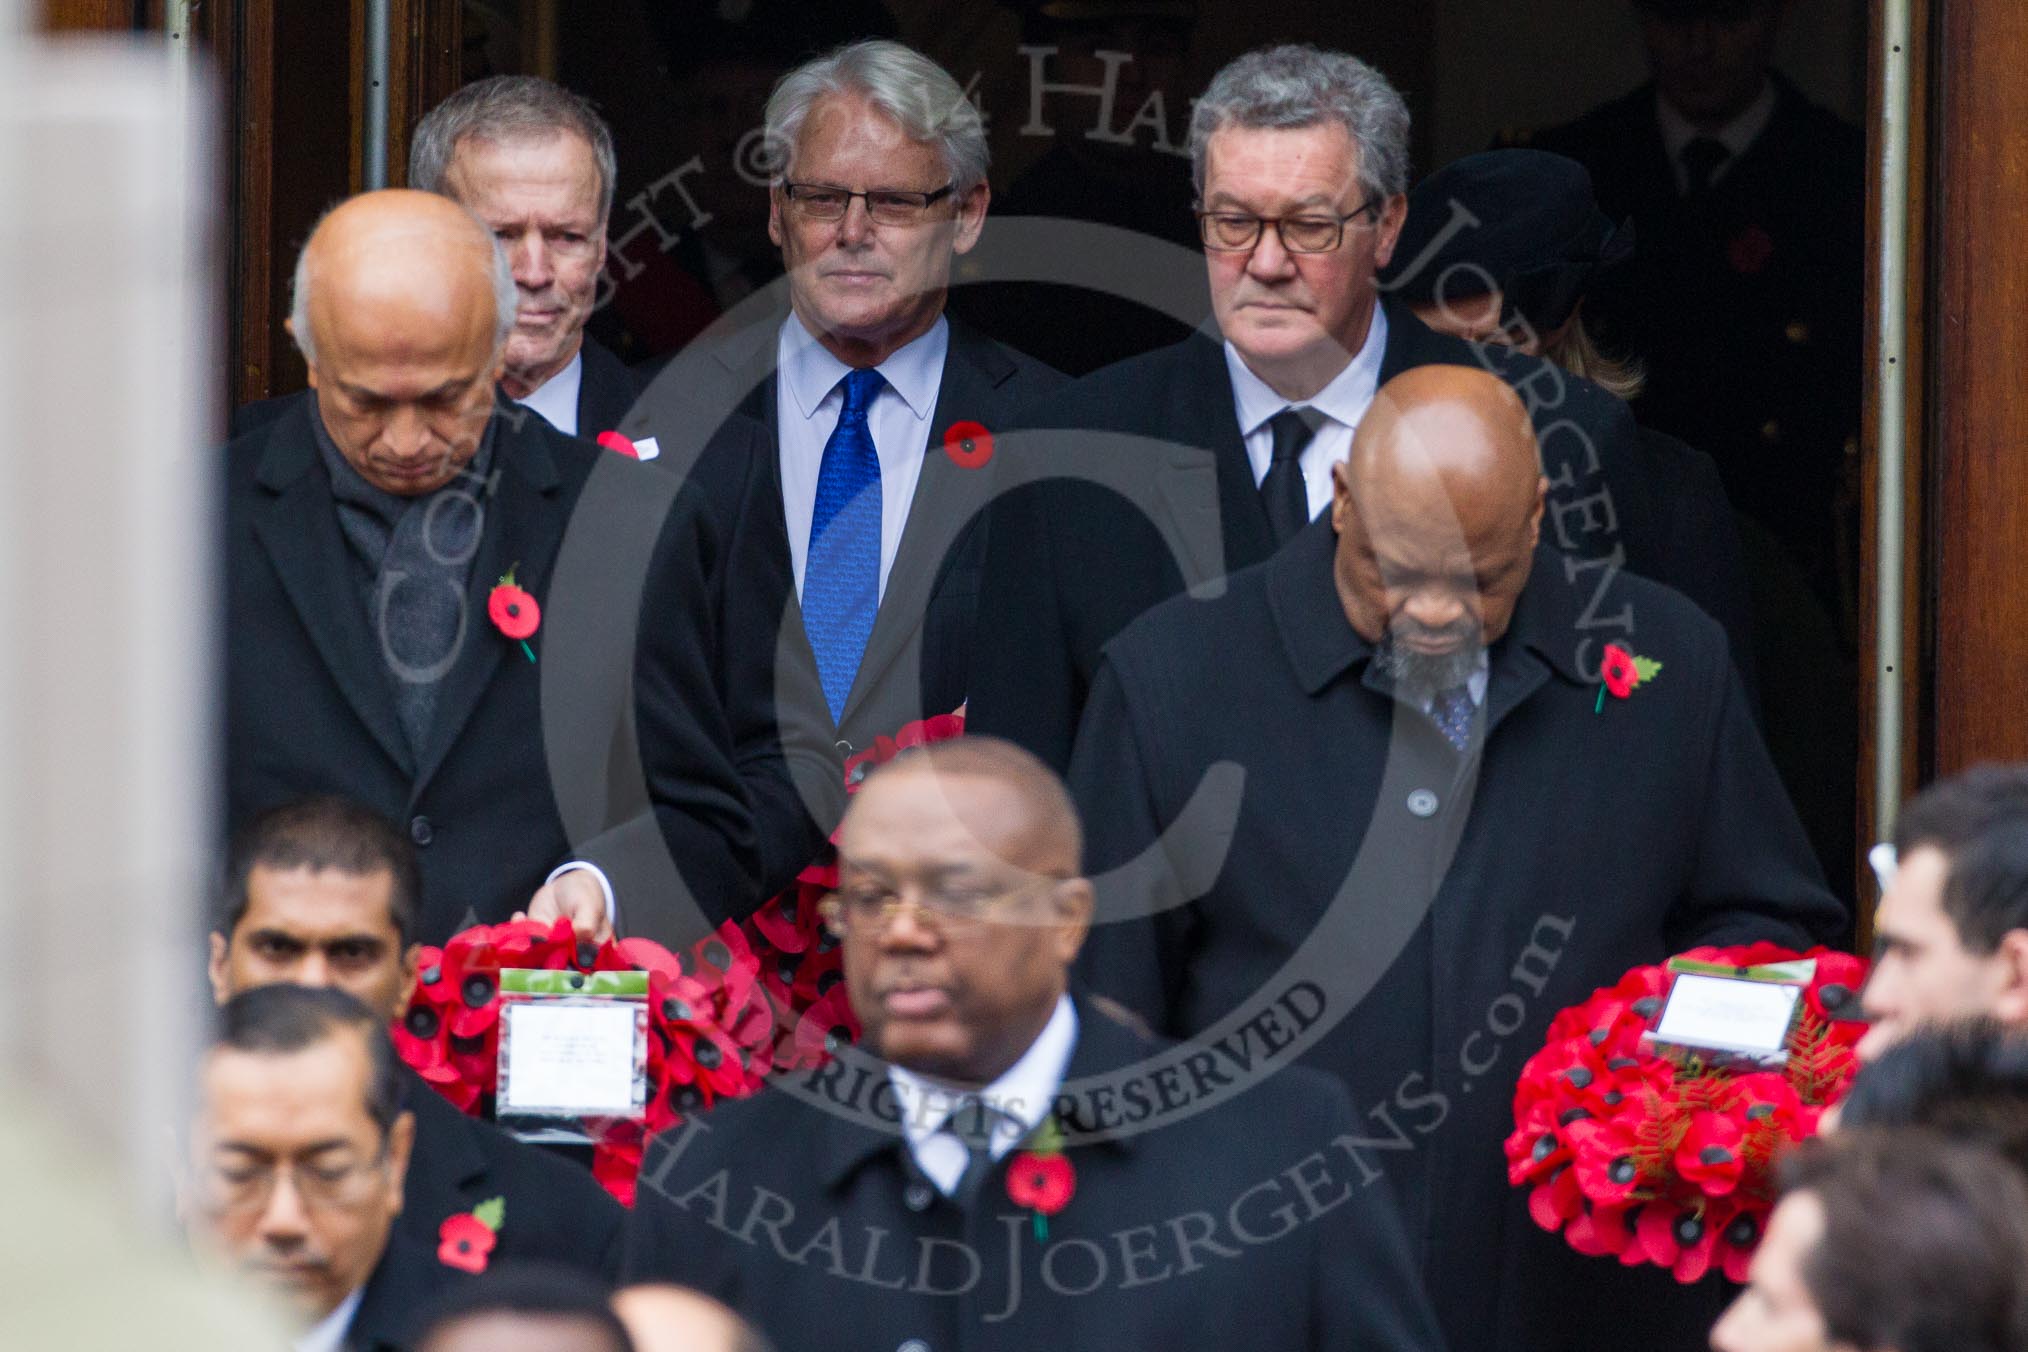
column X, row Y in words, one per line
column 1462, row 631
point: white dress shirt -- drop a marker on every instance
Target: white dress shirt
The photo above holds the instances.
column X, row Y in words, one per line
column 556, row 398
column 807, row 402
column 1735, row 135
column 1343, row 403
column 329, row 1335
column 1023, row 1096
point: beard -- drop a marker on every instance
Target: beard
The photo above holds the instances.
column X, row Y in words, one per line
column 1418, row 676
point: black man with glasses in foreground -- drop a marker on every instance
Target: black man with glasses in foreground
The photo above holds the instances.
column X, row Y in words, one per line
column 293, row 1173
column 1004, row 1162
column 1176, row 467
column 854, row 523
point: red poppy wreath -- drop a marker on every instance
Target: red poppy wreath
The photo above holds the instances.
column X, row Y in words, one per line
column 1661, row 1159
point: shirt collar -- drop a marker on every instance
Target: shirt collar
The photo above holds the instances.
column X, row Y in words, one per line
column 1345, row 400
column 1735, row 135
column 556, row 397
column 329, row 1333
column 914, row 370
column 1024, row 1092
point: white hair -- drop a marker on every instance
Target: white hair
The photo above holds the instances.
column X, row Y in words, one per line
column 508, row 108
column 901, row 82
column 506, row 299
column 1296, row 85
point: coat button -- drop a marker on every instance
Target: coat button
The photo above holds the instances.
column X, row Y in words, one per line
column 913, row 1345
column 916, row 1196
column 1797, row 332
column 420, row 831
column 1422, row 803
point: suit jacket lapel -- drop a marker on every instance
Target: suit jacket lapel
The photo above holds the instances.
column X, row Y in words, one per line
column 298, row 526
column 518, row 535
column 404, row 1283
column 947, row 499
column 1206, row 416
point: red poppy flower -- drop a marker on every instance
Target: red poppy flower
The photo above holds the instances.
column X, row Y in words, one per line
column 1617, row 670
column 1739, row 1237
column 617, row 1167
column 779, row 921
column 1042, row 1183
column 1711, row 1157
column 1681, row 1240
column 825, row 1026
column 1556, row 1200
column 613, row 441
column 941, row 728
column 513, row 611
column 1834, row 991
column 464, row 1242
column 1600, row 1230
column 968, row 444
column 1609, row 1162
column 863, row 763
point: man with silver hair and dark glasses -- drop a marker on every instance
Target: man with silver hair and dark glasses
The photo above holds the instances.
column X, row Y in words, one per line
column 1301, row 164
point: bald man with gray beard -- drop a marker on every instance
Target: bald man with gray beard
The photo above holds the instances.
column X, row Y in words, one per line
column 1449, row 821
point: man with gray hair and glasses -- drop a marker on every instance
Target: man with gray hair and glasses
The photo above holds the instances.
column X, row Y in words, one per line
column 534, row 162
column 1300, row 158
column 854, row 526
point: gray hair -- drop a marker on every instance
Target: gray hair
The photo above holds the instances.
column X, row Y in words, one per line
column 508, row 108
column 901, row 82
column 1301, row 86
column 506, row 299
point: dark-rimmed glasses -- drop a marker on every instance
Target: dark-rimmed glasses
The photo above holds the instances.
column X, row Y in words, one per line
column 1308, row 233
column 887, row 206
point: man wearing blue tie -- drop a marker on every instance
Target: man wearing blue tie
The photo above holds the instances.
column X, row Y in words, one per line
column 854, row 525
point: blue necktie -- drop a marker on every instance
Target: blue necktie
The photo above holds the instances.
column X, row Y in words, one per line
column 841, row 578
column 1451, row 710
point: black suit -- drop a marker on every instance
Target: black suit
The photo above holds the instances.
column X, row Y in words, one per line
column 1068, row 565
column 310, row 705
column 1745, row 302
column 406, row 1284
column 1480, row 893
column 1337, row 1277
column 918, row 659
column 555, row 1211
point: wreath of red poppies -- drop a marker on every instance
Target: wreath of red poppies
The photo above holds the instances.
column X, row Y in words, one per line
column 754, row 996
column 1630, row 1154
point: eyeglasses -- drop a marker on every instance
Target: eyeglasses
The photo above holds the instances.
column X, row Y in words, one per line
column 1238, row 232
column 870, row 908
column 887, row 206
column 240, row 1191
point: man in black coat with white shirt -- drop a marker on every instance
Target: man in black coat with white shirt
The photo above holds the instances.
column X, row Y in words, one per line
column 842, row 624
column 1417, row 786
column 1172, row 469
column 371, row 650
column 1018, row 1169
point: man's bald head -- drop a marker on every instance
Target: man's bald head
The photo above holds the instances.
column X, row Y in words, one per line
column 1438, row 509
column 1043, row 836
column 664, row 1318
column 402, row 308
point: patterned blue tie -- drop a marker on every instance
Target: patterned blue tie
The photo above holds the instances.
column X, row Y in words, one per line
column 841, row 578
column 1451, row 710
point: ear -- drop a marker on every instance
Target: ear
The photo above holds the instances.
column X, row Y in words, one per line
column 411, row 960
column 776, row 231
column 1393, row 215
column 1341, row 496
column 971, row 218
column 1073, row 900
column 289, row 326
column 218, row 969
column 400, row 1145
column 2010, row 1002
column 1535, row 517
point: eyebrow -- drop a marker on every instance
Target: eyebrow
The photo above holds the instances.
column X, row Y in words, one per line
column 1221, row 200
column 263, row 1152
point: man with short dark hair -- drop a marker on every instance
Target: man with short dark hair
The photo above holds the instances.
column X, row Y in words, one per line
column 1018, row 1168
column 524, row 1307
column 1168, row 471
column 1967, row 1079
column 322, row 893
column 1951, row 931
column 294, row 1167
column 1897, row 1241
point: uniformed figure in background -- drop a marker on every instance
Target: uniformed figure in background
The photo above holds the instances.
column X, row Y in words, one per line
column 1744, row 298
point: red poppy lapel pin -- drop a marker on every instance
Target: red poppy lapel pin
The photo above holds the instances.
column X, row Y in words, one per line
column 513, row 611
column 1621, row 673
column 1040, row 1177
column 968, row 444
column 466, row 1240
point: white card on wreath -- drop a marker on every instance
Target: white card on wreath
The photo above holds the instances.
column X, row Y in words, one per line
column 1730, row 1014
column 567, row 1058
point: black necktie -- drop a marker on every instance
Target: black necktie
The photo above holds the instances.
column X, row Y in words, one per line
column 972, row 1122
column 1282, row 491
column 1701, row 158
